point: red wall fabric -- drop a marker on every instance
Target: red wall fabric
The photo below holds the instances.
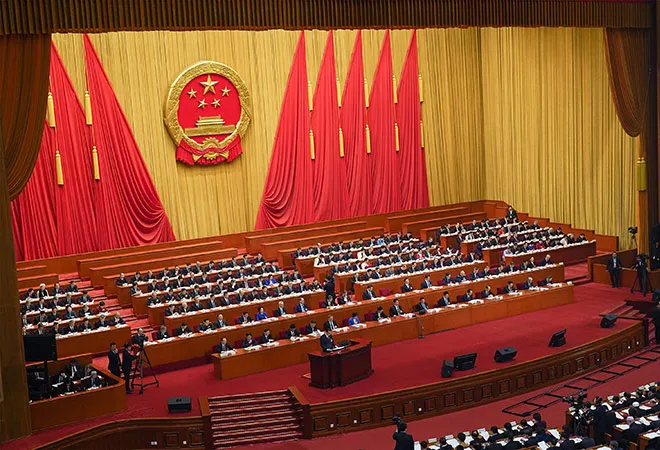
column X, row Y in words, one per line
column 384, row 160
column 414, row 185
column 34, row 219
column 353, row 120
column 330, row 190
column 76, row 221
column 288, row 192
column 128, row 209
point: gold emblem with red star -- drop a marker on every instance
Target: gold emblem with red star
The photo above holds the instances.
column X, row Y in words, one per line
column 208, row 110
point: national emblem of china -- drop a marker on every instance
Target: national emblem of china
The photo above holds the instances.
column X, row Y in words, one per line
column 208, row 110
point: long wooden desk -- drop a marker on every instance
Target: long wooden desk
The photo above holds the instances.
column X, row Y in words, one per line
column 97, row 341
column 232, row 312
column 84, row 265
column 33, row 281
column 398, row 222
column 416, row 227
column 567, row 254
column 282, row 250
column 200, row 345
column 107, row 275
column 394, row 283
column 255, row 243
column 287, row 353
column 81, row 405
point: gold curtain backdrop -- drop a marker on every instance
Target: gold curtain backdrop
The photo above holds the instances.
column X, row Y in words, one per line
column 514, row 114
column 554, row 146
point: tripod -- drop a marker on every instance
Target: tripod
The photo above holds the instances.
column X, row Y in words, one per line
column 644, row 281
column 138, row 371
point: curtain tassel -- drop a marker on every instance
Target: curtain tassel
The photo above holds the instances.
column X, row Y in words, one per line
column 338, row 93
column 58, row 168
column 312, row 150
column 421, row 90
column 310, row 96
column 95, row 163
column 396, row 136
column 641, row 174
column 366, row 93
column 368, row 133
column 341, row 143
column 50, row 112
column 88, row 108
column 394, row 93
column 421, row 132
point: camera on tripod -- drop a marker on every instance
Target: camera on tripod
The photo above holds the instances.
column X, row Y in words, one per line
column 576, row 402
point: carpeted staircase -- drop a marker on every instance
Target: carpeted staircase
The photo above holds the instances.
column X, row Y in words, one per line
column 633, row 309
column 254, row 418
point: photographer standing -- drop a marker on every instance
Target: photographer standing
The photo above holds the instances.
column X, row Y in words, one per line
column 404, row 441
column 614, row 269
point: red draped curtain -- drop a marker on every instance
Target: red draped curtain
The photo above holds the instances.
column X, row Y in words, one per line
column 288, row 193
column 414, row 186
column 330, row 190
column 353, row 121
column 128, row 209
column 384, row 160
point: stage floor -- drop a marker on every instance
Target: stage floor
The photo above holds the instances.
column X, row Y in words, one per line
column 399, row 365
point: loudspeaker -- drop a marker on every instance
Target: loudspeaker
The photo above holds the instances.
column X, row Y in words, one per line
column 608, row 321
column 505, row 354
column 558, row 339
column 179, row 404
column 447, row 368
column 465, row 362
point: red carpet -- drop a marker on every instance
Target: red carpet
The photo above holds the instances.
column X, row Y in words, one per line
column 424, row 355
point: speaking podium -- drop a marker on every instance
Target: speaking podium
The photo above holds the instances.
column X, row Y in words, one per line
column 342, row 367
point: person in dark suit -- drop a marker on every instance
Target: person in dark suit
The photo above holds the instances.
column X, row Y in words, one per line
column 327, row 341
column 614, row 268
column 206, row 325
column 127, row 365
column 369, row 293
column 487, row 292
column 266, row 336
column 162, row 333
column 248, row 341
column 407, row 287
column 444, row 300
column 426, row 284
column 140, row 338
column 529, row 283
column 223, row 346
column 311, row 328
column 403, row 440
column 380, row 314
column 280, row 309
column 301, row 307
column 292, row 332
column 183, row 329
column 244, row 318
column 114, row 361
column 598, row 420
column 330, row 324
column 94, row 380
column 395, row 309
column 511, row 215
column 509, row 288
column 220, row 322
column 468, row 296
column 421, row 307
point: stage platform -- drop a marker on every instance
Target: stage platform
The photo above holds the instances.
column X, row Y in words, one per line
column 404, row 364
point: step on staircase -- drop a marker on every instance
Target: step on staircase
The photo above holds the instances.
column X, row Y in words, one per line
column 633, row 309
column 259, row 417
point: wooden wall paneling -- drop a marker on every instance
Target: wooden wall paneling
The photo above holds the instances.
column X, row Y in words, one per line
column 450, row 395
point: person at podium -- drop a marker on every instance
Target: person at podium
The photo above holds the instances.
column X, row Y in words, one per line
column 327, row 341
